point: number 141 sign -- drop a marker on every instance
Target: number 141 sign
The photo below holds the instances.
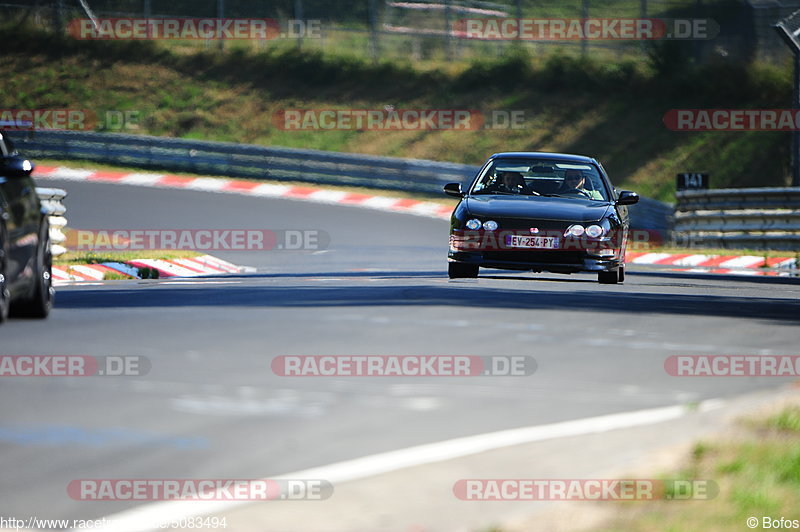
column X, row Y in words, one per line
column 692, row 181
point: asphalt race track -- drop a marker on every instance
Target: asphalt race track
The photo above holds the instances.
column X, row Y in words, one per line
column 211, row 407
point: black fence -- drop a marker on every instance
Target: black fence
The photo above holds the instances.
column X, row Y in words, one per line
column 434, row 29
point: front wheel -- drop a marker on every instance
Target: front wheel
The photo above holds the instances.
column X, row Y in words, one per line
column 40, row 302
column 609, row 277
column 456, row 270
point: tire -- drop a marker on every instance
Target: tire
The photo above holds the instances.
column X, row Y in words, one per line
column 39, row 303
column 621, row 276
column 5, row 294
column 457, row 270
column 609, row 277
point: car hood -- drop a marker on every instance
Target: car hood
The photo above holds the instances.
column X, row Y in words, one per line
column 537, row 208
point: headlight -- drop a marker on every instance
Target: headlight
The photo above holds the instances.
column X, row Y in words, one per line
column 474, row 224
column 491, row 225
column 574, row 230
column 595, row 231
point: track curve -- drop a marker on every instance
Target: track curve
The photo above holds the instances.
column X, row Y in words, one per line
column 211, row 407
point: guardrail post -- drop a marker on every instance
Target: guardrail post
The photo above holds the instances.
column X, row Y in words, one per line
column 298, row 15
column 795, row 133
column 220, row 15
column 584, row 16
column 374, row 49
column 448, row 30
column 643, row 15
column 60, row 15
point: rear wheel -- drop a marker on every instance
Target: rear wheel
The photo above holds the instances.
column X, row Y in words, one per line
column 40, row 302
column 456, row 270
column 5, row 295
column 609, row 277
column 621, row 275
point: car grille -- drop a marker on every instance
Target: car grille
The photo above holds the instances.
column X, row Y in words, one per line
column 531, row 256
column 515, row 224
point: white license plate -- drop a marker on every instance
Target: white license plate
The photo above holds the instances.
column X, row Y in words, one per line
column 535, row 242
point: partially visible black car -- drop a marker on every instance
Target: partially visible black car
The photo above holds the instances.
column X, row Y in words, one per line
column 540, row 212
column 25, row 259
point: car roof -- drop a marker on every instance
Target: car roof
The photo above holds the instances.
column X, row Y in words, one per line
column 544, row 155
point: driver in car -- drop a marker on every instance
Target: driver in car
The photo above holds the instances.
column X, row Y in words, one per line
column 512, row 182
column 575, row 183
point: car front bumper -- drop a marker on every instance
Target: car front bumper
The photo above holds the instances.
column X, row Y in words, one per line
column 550, row 261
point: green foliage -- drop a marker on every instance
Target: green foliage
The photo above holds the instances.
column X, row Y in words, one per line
column 787, row 420
column 612, row 109
column 789, row 469
column 700, row 450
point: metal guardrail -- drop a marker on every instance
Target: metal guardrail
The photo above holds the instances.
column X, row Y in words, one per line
column 240, row 160
column 51, row 202
column 755, row 218
column 653, row 216
column 280, row 164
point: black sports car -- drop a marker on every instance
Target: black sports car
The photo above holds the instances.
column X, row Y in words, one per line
column 540, row 212
column 25, row 258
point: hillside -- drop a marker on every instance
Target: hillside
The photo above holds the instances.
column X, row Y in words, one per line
column 611, row 110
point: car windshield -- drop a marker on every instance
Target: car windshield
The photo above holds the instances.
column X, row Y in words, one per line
column 542, row 177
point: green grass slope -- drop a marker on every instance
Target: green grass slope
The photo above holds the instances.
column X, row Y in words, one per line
column 611, row 110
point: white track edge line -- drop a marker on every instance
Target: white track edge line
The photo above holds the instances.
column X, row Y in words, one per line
column 141, row 518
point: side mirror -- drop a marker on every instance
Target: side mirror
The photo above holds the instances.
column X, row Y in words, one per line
column 626, row 197
column 453, row 189
column 16, row 167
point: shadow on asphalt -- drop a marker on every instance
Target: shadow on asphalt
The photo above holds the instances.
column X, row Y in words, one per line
column 759, row 279
column 452, row 294
column 526, row 276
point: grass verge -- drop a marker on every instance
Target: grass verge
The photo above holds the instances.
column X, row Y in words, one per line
column 611, row 109
column 79, row 257
column 757, row 470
